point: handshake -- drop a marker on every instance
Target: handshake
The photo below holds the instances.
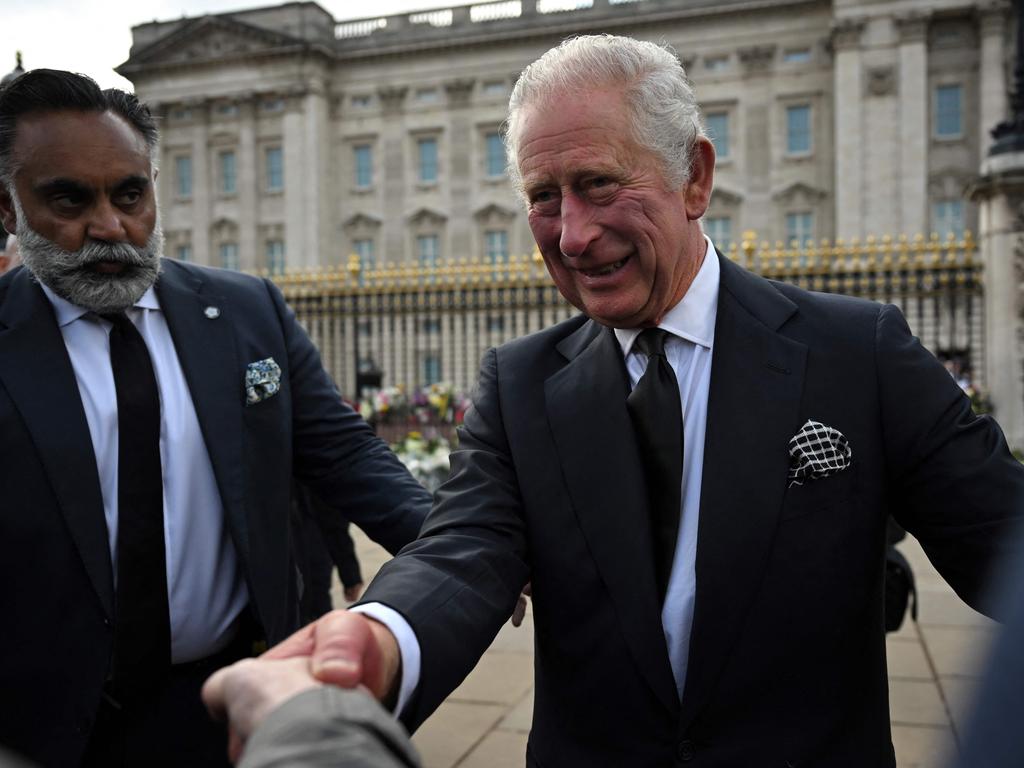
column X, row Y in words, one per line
column 342, row 649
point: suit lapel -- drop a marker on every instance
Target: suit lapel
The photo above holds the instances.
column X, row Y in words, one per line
column 36, row 372
column 209, row 358
column 586, row 404
column 753, row 408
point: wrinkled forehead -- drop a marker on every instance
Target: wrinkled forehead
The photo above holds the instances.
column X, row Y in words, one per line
column 72, row 143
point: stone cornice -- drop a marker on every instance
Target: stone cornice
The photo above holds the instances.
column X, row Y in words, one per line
column 993, row 16
column 757, row 59
column 913, row 26
column 846, row 34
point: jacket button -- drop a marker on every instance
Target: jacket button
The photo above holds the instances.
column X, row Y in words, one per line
column 686, row 751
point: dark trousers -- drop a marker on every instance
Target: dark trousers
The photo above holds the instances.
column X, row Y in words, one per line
column 167, row 728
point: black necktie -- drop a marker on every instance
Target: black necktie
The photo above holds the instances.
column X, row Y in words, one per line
column 142, row 634
column 658, row 419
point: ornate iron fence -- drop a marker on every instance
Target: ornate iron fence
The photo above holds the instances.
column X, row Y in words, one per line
column 408, row 325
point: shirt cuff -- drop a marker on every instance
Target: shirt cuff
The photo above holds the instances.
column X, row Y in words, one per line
column 408, row 647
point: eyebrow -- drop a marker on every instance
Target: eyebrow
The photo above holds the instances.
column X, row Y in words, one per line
column 62, row 185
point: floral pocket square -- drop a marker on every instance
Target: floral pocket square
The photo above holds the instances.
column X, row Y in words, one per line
column 817, row 451
column 262, row 380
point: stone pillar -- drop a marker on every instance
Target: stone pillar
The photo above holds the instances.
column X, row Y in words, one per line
column 999, row 194
column 293, row 149
column 202, row 186
column 249, row 248
column 913, row 123
column 992, row 81
column 757, row 103
column 848, row 144
column 316, row 169
column 393, row 148
column 461, row 176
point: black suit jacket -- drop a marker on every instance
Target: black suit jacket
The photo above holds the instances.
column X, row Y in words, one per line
column 787, row 653
column 58, row 598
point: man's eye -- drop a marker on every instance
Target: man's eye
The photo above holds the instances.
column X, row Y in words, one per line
column 600, row 185
column 67, row 202
column 129, row 197
column 544, row 200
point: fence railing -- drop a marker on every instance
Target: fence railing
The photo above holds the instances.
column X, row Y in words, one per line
column 412, row 325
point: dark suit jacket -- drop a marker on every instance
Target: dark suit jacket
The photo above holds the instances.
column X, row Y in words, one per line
column 58, row 598
column 787, row 654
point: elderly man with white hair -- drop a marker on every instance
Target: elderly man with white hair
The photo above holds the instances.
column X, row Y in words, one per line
column 695, row 473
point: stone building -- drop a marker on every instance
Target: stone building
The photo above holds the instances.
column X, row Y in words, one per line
column 291, row 140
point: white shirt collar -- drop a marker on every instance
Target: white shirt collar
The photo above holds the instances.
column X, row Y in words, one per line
column 693, row 318
column 67, row 312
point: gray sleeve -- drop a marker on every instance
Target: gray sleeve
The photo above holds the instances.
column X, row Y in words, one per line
column 333, row 727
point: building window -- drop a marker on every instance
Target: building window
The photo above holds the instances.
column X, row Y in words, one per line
column 275, row 169
column 494, row 88
column 430, row 325
column 495, row 155
column 431, row 368
column 363, row 248
column 183, row 176
column 181, row 114
column 427, row 154
column 183, row 253
column 948, row 120
column 716, row 63
column 228, row 180
column 800, row 227
column 364, row 165
column 718, row 132
column 273, row 105
column 275, row 257
column 362, row 100
column 229, row 255
column 798, row 129
column 496, row 246
column 495, row 324
column 797, row 56
column 427, row 95
column 227, row 110
column 719, row 229
column 428, row 251
column 948, row 216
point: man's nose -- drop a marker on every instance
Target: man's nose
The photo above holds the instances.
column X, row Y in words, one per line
column 105, row 223
column 579, row 228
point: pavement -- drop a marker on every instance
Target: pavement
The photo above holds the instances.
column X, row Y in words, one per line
column 933, row 670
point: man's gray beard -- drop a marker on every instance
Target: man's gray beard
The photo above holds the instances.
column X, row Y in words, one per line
column 68, row 275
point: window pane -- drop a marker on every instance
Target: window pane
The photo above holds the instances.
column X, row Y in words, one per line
column 797, row 56
column 229, row 255
column 496, row 244
column 718, row 132
column 948, row 216
column 183, row 176
column 428, row 250
column 719, row 229
column 275, row 256
column 183, row 253
column 798, row 129
column 428, row 160
column 495, row 155
column 947, row 110
column 431, row 368
column 364, row 166
column 275, row 169
column 227, row 173
column 799, row 227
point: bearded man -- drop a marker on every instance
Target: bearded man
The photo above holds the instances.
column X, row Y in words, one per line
column 154, row 414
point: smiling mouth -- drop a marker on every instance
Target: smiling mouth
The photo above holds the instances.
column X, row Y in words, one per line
column 606, row 270
column 107, row 267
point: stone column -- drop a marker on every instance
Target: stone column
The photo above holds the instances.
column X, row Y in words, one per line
column 249, row 247
column 848, row 143
column 913, row 123
column 461, row 175
column 293, row 150
column 316, row 169
column 757, row 102
column 393, row 142
column 999, row 194
column 994, row 17
column 202, row 186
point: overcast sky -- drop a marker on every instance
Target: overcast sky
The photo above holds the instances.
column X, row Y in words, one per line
column 94, row 37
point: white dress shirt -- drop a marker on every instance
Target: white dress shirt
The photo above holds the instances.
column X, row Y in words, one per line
column 691, row 324
column 205, row 588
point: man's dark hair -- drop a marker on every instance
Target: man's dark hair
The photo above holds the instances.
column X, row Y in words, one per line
column 52, row 90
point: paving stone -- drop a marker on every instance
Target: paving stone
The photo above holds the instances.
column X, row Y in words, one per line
column 515, row 639
column 940, row 606
column 959, row 693
column 499, row 678
column 453, row 731
column 521, row 716
column 906, row 659
column 957, row 651
column 916, row 702
column 499, row 749
column 922, row 746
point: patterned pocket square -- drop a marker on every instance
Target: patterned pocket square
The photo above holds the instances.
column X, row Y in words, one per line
column 817, row 451
column 262, row 380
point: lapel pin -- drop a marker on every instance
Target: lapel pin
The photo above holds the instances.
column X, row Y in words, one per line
column 212, row 313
